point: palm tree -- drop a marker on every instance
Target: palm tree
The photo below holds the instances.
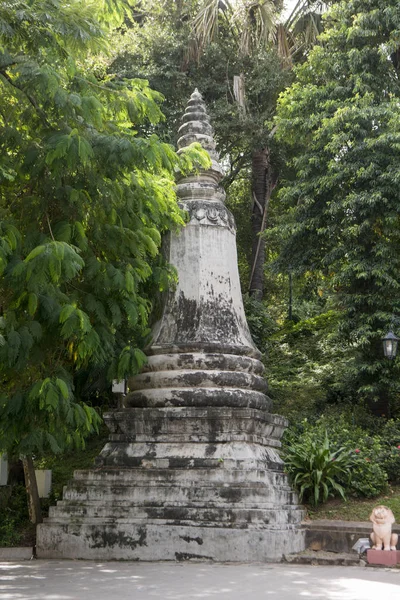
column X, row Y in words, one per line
column 256, row 24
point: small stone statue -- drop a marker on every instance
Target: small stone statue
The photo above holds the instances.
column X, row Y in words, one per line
column 382, row 519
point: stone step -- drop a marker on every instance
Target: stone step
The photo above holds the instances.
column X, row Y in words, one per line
column 179, row 413
column 267, row 514
column 196, row 378
column 198, row 397
column 111, row 458
column 308, row 557
column 195, row 437
column 179, row 476
column 190, row 455
column 138, row 521
column 155, row 542
column 202, row 360
column 337, row 536
column 178, row 494
column 196, row 424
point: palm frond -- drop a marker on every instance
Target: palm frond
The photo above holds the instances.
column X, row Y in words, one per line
column 304, row 7
column 205, row 26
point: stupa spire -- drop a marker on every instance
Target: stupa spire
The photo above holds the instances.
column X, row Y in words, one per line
column 196, row 127
column 206, row 310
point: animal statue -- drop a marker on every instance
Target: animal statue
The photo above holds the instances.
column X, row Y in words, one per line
column 382, row 519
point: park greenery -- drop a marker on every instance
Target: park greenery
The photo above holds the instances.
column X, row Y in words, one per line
column 305, row 111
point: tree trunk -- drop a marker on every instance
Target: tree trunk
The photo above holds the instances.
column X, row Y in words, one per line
column 262, row 186
column 35, row 513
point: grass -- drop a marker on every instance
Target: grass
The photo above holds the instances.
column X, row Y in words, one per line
column 355, row 509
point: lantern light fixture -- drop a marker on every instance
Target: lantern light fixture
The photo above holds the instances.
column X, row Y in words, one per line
column 390, row 343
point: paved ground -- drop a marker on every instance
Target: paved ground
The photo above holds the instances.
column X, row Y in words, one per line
column 73, row 580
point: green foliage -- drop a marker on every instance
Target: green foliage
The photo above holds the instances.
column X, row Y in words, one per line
column 316, row 469
column 365, row 475
column 340, row 125
column 368, row 479
column 156, row 50
column 14, row 524
column 64, row 465
column 260, row 323
column 87, row 189
column 390, row 454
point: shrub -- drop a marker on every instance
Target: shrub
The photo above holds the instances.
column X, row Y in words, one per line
column 365, row 475
column 390, row 454
column 368, row 474
column 315, row 469
column 368, row 479
column 14, row 517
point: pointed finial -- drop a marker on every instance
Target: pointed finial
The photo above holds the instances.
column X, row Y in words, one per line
column 196, row 127
column 196, row 95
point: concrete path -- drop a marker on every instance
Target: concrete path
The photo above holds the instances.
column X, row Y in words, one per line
column 75, row 580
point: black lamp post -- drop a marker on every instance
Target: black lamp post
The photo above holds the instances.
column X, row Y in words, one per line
column 390, row 343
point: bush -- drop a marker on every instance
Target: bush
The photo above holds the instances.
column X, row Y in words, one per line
column 315, row 469
column 390, row 455
column 368, row 474
column 368, row 479
column 15, row 518
column 365, row 474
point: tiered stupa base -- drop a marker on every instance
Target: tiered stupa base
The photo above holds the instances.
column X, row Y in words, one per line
column 180, row 483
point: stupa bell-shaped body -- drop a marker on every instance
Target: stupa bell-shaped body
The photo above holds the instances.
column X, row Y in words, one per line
column 191, row 468
column 202, row 352
column 206, row 309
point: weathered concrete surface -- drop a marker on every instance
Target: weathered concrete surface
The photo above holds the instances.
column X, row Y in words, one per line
column 337, row 536
column 308, row 557
column 19, row 553
column 83, row 580
column 192, row 466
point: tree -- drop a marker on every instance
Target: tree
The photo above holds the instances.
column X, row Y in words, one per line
column 254, row 28
column 84, row 200
column 340, row 121
column 158, row 49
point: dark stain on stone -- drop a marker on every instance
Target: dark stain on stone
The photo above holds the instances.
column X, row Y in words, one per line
column 151, row 452
column 181, row 556
column 110, row 539
column 173, row 513
column 230, row 494
column 210, row 449
column 189, row 539
column 201, row 321
column 214, row 429
column 184, row 359
column 187, row 315
column 156, row 427
column 179, row 463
